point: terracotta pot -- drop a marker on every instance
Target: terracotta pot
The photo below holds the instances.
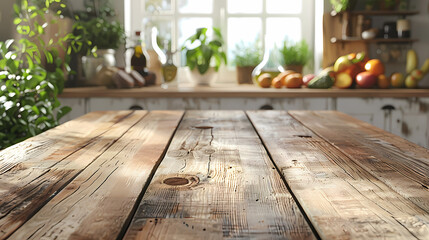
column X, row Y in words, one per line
column 206, row 79
column 244, row 74
column 296, row 68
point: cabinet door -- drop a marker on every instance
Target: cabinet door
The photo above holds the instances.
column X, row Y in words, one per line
column 407, row 118
column 410, row 120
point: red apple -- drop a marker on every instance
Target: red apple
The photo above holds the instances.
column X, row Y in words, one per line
column 307, row 78
column 366, row 79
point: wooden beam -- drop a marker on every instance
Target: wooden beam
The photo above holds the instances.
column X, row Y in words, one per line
column 341, row 198
column 217, row 181
column 99, row 201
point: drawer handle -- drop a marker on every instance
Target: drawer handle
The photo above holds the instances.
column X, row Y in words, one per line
column 388, row 107
column 266, row 107
column 136, row 107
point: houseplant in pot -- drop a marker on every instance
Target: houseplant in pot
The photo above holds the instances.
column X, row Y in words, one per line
column 246, row 58
column 32, row 74
column 295, row 55
column 104, row 35
column 204, row 55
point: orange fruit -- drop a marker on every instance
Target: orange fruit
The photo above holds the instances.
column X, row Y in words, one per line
column 383, row 81
column 282, row 76
column 277, row 82
column 264, row 80
column 397, row 80
column 375, row 66
column 294, row 80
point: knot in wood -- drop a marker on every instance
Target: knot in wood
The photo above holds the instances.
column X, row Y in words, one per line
column 176, row 181
column 181, row 181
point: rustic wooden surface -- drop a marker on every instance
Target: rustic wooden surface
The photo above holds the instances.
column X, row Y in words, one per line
column 217, row 177
column 238, row 91
column 98, row 202
column 32, row 171
column 226, row 174
column 342, row 198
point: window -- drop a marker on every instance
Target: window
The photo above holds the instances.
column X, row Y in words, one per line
column 239, row 20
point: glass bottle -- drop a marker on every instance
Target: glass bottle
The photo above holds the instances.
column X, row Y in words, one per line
column 139, row 58
column 271, row 62
column 169, row 70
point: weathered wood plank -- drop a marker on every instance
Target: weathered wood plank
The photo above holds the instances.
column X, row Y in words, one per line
column 400, row 164
column 341, row 199
column 98, row 202
column 217, row 180
column 32, row 171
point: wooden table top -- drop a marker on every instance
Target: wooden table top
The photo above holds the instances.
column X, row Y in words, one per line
column 213, row 175
column 238, row 91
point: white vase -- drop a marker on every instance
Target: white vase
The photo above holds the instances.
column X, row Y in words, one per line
column 206, row 79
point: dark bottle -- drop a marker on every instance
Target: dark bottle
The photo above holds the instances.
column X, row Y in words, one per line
column 139, row 58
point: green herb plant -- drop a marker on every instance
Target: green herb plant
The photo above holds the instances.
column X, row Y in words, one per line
column 95, row 27
column 295, row 53
column 200, row 50
column 247, row 54
column 32, row 74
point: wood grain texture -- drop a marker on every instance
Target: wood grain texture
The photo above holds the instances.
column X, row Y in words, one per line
column 341, row 198
column 400, row 164
column 32, row 171
column 217, row 180
column 238, row 91
column 98, row 202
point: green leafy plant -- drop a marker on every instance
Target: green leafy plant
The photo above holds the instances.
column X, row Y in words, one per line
column 249, row 54
column 295, row 53
column 200, row 50
column 32, row 75
column 343, row 5
column 95, row 27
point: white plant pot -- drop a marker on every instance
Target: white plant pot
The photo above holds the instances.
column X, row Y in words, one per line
column 92, row 65
column 206, row 79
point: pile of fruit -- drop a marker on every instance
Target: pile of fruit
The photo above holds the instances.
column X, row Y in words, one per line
column 354, row 70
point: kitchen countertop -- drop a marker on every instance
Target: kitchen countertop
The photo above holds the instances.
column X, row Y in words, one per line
column 237, row 91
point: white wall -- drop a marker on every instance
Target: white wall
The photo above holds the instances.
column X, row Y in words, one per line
column 6, row 19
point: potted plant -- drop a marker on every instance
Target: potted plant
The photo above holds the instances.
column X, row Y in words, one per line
column 370, row 4
column 343, row 5
column 295, row 55
column 32, row 74
column 204, row 56
column 388, row 5
column 103, row 35
column 247, row 57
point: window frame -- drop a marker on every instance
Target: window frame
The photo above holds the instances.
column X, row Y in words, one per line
column 135, row 10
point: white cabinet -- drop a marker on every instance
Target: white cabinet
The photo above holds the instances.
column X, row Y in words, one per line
column 405, row 117
column 97, row 104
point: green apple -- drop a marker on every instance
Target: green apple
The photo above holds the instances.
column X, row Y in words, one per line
column 342, row 64
column 417, row 74
column 411, row 82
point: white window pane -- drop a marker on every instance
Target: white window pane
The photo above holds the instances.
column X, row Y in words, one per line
column 242, row 30
column 157, row 6
column 195, row 6
column 188, row 27
column 244, row 6
column 284, row 28
column 284, row 6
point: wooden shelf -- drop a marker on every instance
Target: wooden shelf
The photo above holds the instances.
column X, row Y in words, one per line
column 237, row 91
column 379, row 13
column 375, row 40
